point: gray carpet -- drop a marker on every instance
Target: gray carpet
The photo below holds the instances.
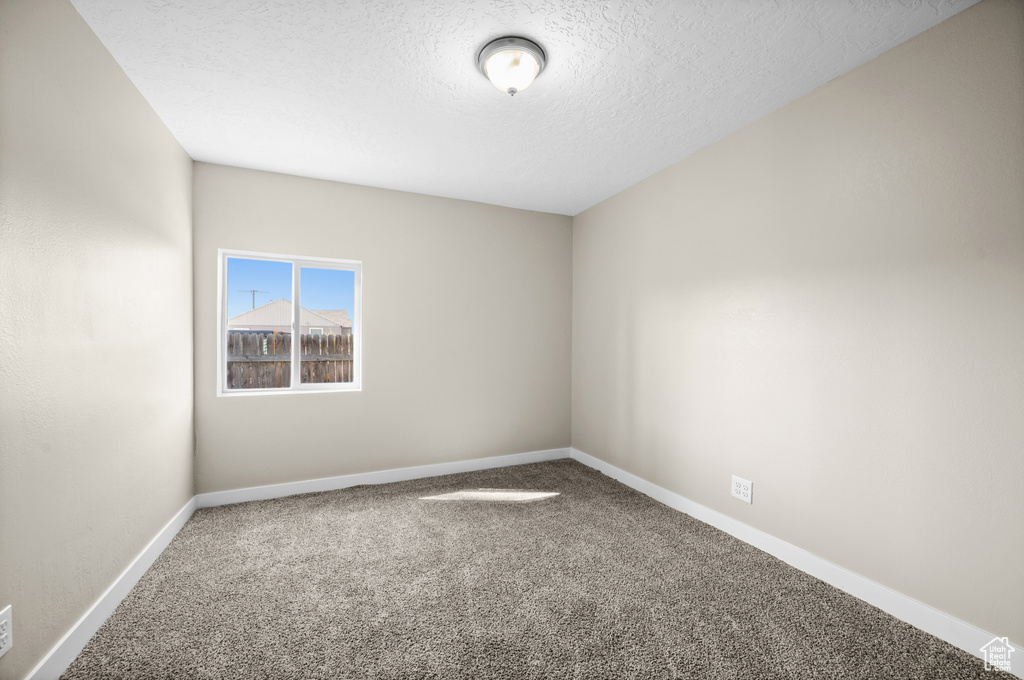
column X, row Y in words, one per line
column 597, row 582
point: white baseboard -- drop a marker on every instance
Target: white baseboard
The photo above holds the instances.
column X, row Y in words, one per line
column 262, row 493
column 941, row 625
column 74, row 641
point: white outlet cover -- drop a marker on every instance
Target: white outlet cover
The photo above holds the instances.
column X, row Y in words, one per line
column 743, row 489
column 6, row 630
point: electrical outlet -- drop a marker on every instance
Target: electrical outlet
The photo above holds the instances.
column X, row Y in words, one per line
column 743, row 489
column 6, row 632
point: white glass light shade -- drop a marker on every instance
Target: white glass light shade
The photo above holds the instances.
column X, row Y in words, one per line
column 511, row 64
column 511, row 70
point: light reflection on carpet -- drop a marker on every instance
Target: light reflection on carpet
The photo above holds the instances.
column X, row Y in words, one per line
column 498, row 495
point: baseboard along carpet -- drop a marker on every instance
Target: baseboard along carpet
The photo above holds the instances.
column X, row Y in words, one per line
column 598, row 581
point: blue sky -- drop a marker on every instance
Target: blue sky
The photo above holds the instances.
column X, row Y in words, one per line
column 321, row 288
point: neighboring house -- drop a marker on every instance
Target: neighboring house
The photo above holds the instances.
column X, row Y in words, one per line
column 339, row 316
column 277, row 316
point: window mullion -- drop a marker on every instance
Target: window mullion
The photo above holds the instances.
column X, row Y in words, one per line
column 296, row 328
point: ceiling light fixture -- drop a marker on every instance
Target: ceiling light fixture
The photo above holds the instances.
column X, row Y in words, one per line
column 511, row 63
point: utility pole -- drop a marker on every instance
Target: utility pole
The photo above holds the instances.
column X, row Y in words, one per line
column 254, row 295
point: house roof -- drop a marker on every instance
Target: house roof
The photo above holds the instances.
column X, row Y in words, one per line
column 338, row 316
column 279, row 313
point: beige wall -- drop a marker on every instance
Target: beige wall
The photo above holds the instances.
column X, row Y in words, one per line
column 466, row 315
column 830, row 303
column 95, row 283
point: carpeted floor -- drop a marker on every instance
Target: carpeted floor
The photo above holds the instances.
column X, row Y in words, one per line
column 596, row 582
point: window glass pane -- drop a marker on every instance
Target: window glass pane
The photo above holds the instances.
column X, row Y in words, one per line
column 259, row 324
column 328, row 309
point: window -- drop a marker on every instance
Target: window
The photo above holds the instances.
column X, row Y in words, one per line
column 267, row 345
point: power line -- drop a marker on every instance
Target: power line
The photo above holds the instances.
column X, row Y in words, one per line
column 253, row 295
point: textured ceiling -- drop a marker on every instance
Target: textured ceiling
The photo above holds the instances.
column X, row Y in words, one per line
column 387, row 94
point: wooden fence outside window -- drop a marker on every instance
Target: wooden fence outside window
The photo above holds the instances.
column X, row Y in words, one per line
column 258, row 360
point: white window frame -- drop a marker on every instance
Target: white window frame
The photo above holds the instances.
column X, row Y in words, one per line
column 297, row 262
